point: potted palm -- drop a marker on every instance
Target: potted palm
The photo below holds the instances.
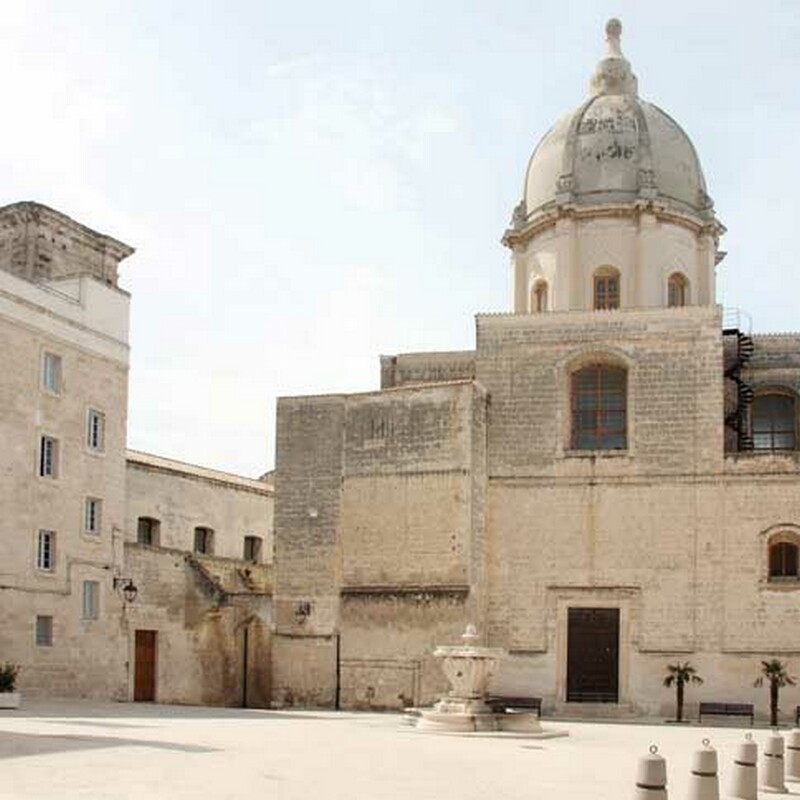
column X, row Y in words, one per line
column 9, row 696
column 678, row 675
column 773, row 672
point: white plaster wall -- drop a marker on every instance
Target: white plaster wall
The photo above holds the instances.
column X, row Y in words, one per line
column 646, row 252
column 81, row 310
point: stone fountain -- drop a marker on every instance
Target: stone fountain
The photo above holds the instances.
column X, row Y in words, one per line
column 469, row 667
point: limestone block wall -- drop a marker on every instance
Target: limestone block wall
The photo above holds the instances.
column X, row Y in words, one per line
column 184, row 496
column 674, row 402
column 775, row 363
column 407, row 500
column 760, row 616
column 635, row 547
column 685, row 561
column 379, row 510
column 85, row 657
column 669, row 531
column 388, row 636
column 200, row 608
column 413, row 368
column 308, row 487
column 412, row 539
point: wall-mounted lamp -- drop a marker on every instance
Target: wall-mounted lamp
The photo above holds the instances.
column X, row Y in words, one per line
column 313, row 513
column 302, row 611
column 127, row 587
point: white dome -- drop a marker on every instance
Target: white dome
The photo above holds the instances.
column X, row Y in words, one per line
column 615, row 148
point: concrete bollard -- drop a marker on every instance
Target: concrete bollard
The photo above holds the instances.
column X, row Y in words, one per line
column 651, row 777
column 744, row 777
column 704, row 780
column 772, row 771
column 793, row 756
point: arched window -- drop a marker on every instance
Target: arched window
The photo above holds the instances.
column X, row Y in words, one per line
column 782, row 560
column 599, row 401
column 773, row 421
column 539, row 297
column 606, row 288
column 677, row 290
column 148, row 531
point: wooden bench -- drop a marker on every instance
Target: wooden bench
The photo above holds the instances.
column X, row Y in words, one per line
column 727, row 710
column 502, row 703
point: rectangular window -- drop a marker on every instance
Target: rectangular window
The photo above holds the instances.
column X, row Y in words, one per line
column 204, row 541
column 147, row 531
column 44, row 631
column 48, row 457
column 51, row 373
column 599, row 408
column 252, row 549
column 91, row 599
column 773, row 422
column 92, row 516
column 46, row 550
column 96, row 430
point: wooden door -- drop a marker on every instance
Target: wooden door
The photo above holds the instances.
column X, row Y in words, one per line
column 144, row 675
column 593, row 655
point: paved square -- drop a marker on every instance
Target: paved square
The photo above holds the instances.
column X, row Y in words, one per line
column 69, row 750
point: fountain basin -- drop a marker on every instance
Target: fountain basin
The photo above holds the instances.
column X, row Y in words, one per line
column 464, row 709
column 448, row 721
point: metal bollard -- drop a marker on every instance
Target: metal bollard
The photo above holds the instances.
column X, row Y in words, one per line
column 704, row 780
column 772, row 771
column 793, row 756
column 744, row 778
column 651, row 777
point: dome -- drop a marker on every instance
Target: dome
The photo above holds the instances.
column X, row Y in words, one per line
column 615, row 148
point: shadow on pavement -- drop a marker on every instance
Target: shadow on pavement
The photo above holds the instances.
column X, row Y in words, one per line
column 16, row 745
column 88, row 710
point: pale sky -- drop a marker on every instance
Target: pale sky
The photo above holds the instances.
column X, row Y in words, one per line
column 309, row 185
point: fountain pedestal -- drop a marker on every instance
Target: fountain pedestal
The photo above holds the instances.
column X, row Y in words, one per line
column 468, row 668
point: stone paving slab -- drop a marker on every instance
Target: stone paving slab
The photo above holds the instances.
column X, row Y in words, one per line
column 70, row 750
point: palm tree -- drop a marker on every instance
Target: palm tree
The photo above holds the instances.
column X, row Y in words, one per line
column 775, row 674
column 679, row 675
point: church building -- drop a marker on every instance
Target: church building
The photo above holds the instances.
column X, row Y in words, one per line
column 607, row 484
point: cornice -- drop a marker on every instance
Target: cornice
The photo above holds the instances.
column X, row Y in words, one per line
column 30, row 211
column 543, row 220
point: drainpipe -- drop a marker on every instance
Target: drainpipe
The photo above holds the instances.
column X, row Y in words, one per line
column 336, row 703
column 246, row 631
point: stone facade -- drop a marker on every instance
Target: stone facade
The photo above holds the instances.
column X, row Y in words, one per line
column 212, row 618
column 211, row 612
column 449, row 503
column 181, row 497
column 381, row 518
column 65, row 362
column 72, row 495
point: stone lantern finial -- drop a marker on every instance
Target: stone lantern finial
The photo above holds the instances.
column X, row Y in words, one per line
column 613, row 35
column 613, row 74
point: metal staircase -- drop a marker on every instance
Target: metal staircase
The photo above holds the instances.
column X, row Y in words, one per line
column 737, row 354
